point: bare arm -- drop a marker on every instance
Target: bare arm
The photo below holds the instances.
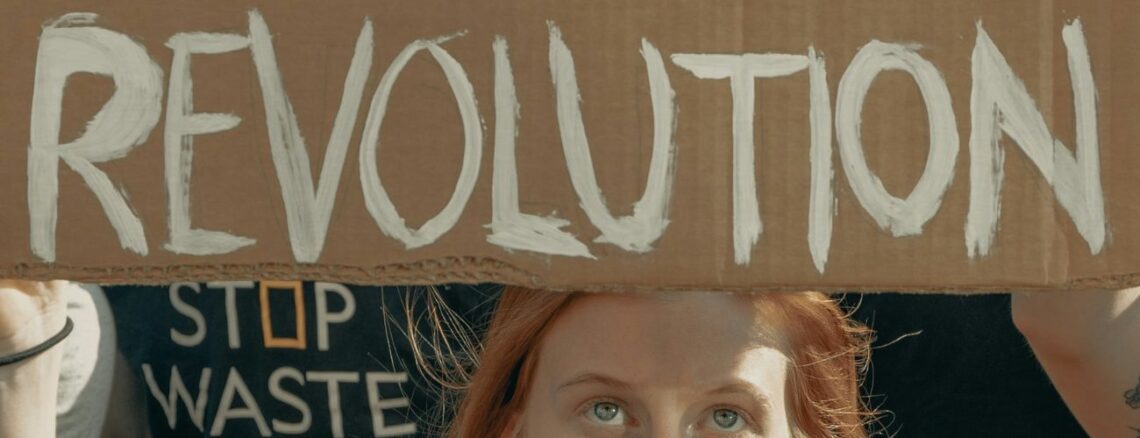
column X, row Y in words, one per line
column 1089, row 344
column 30, row 313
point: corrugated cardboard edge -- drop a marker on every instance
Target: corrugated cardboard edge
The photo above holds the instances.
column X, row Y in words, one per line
column 475, row 270
column 433, row 271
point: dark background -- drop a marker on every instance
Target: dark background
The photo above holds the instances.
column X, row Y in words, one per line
column 955, row 366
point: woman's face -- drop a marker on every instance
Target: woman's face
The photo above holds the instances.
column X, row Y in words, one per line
column 658, row 365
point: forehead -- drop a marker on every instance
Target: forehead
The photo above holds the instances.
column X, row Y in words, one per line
column 695, row 339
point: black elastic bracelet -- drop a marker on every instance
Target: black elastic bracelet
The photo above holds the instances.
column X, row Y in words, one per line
column 67, row 326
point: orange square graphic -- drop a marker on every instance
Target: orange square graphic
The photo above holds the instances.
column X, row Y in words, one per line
column 272, row 341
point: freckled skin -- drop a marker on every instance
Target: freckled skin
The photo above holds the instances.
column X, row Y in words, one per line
column 668, row 351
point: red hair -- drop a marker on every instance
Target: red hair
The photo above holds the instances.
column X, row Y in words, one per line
column 826, row 349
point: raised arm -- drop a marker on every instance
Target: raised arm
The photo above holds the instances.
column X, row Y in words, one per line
column 1089, row 344
column 30, row 313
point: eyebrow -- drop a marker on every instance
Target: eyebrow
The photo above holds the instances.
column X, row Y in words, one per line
column 595, row 378
column 745, row 388
column 737, row 387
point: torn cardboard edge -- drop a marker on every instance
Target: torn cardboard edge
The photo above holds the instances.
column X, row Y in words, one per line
column 477, row 270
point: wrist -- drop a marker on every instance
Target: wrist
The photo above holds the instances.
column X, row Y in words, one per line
column 22, row 331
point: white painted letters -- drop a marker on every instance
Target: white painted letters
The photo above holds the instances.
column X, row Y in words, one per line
column 742, row 71
column 999, row 104
column 182, row 124
column 900, row 217
column 651, row 213
column 510, row 228
column 73, row 45
column 375, row 196
column 821, row 207
column 306, row 210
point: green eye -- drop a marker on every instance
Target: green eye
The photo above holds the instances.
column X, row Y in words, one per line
column 726, row 419
column 607, row 413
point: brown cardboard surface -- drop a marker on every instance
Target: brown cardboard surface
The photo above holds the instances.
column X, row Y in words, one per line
column 234, row 185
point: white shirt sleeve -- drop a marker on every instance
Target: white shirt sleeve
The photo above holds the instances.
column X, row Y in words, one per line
column 87, row 368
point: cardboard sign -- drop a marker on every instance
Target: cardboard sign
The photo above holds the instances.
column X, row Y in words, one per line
column 737, row 145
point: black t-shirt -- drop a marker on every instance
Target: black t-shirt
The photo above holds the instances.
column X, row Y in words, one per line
column 297, row 359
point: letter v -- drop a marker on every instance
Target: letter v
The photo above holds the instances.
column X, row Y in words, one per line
column 307, row 211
